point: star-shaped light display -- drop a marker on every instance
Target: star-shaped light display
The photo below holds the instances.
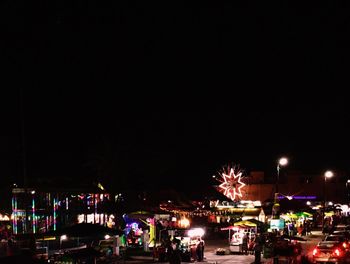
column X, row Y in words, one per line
column 231, row 184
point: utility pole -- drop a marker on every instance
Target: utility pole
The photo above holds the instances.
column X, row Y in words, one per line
column 23, row 145
column 24, row 158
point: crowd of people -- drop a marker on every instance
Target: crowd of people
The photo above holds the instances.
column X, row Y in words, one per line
column 298, row 229
column 175, row 250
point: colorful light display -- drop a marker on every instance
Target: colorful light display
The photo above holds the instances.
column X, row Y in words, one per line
column 231, row 183
column 36, row 211
column 184, row 222
column 14, row 210
column 152, row 232
column 33, row 215
column 54, row 213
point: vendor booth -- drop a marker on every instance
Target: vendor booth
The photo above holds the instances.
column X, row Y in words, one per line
column 237, row 232
column 186, row 242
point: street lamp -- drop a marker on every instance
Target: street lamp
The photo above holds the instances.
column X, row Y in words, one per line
column 347, row 189
column 63, row 237
column 281, row 162
column 327, row 174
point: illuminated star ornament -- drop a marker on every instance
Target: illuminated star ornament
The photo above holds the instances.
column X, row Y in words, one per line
column 231, row 184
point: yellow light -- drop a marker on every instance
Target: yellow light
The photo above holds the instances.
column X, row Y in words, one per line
column 47, row 238
column 4, row 218
column 99, row 185
column 184, row 222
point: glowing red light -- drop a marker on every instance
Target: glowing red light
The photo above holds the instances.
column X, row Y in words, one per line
column 345, row 245
column 315, row 252
column 337, row 252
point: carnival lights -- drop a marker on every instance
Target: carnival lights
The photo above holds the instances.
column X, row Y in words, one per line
column 184, row 222
column 196, row 232
column 231, row 183
column 54, row 213
column 4, row 217
column 14, row 210
column 33, row 213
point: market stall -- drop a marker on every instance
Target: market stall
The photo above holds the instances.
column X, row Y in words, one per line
column 237, row 232
column 186, row 241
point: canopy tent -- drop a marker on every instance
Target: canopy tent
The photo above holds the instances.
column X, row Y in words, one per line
column 245, row 223
column 240, row 226
column 289, row 216
column 257, row 222
column 329, row 213
column 303, row 214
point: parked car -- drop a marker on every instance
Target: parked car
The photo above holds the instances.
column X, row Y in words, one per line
column 333, row 249
column 338, row 238
column 344, row 233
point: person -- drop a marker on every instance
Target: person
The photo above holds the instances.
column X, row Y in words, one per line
column 245, row 244
column 199, row 249
column 251, row 245
column 307, row 226
column 131, row 237
column 169, row 249
column 257, row 249
column 174, row 255
column 145, row 238
column 291, row 229
column 109, row 252
column 203, row 244
column 300, row 230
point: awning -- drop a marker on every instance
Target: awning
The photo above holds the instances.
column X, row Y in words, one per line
column 329, row 213
column 289, row 216
column 304, row 214
column 245, row 223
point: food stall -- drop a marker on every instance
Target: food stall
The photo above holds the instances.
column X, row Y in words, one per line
column 236, row 233
column 195, row 235
column 186, row 240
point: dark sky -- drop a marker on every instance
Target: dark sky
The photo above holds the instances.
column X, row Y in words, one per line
column 118, row 91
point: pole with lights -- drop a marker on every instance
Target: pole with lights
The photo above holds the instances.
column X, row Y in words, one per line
column 328, row 174
column 62, row 238
column 275, row 212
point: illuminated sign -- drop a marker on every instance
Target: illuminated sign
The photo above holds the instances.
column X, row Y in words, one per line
column 277, row 224
column 300, row 197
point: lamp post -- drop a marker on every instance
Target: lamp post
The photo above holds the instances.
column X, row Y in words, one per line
column 281, row 162
column 348, row 189
column 327, row 174
column 63, row 237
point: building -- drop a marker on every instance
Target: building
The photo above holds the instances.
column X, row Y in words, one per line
column 39, row 210
column 297, row 185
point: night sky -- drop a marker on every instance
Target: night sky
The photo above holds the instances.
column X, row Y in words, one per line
column 150, row 95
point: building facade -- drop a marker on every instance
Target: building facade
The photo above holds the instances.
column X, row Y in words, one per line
column 39, row 211
column 297, row 185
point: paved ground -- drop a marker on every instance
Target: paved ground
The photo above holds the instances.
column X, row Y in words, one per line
column 212, row 245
